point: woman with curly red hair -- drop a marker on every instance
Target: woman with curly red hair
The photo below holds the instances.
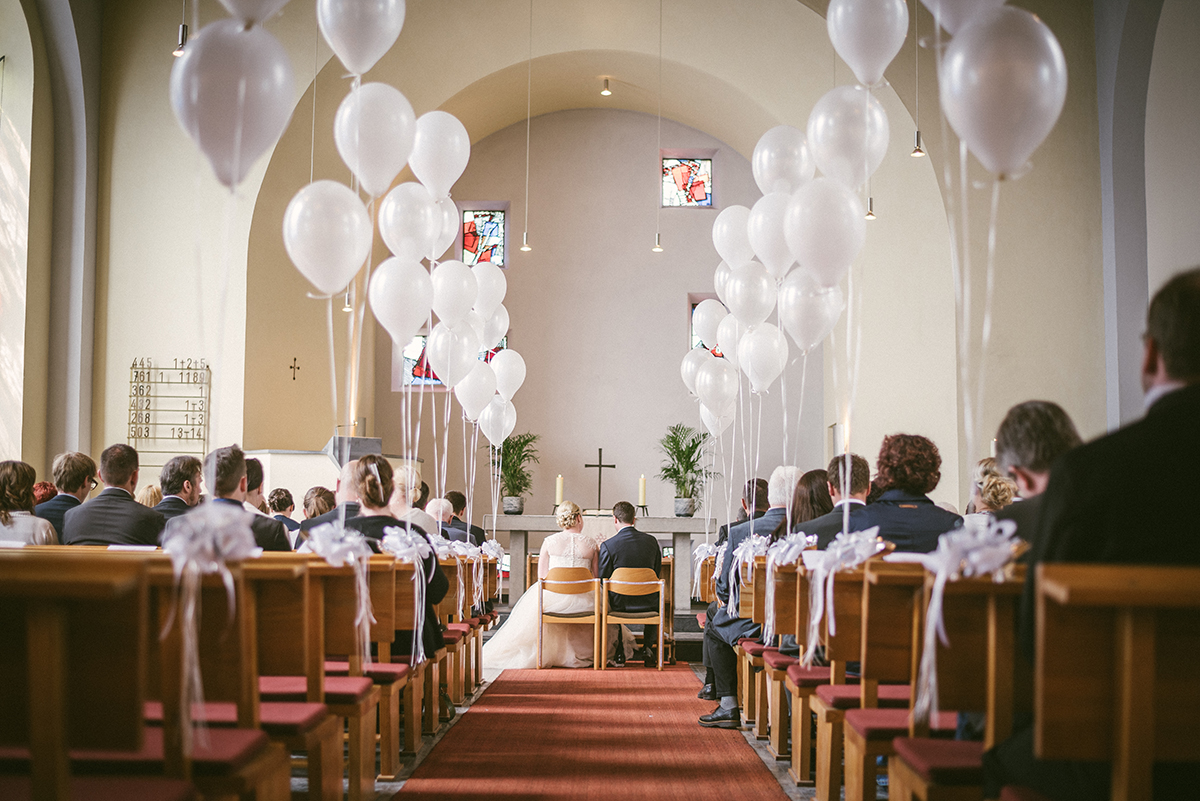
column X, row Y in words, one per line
column 908, row 469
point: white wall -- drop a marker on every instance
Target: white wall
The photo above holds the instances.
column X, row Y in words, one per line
column 1173, row 144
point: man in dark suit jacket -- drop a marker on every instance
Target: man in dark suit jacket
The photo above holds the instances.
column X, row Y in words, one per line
column 180, row 481
column 74, row 477
column 725, row 628
column 632, row 548
column 227, row 467
column 1084, row 519
column 113, row 517
column 473, row 534
column 347, row 501
column 828, row 526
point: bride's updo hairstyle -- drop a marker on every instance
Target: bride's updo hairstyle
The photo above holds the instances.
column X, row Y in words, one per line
column 373, row 480
column 567, row 514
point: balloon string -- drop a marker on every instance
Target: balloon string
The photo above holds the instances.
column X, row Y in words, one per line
column 312, row 145
column 800, row 409
column 332, row 362
column 965, row 303
column 986, row 333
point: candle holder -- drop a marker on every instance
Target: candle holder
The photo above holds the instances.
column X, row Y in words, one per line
column 643, row 510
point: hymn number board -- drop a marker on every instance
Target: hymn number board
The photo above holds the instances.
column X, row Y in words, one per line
column 168, row 410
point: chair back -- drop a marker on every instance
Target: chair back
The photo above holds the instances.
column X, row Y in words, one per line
column 569, row 580
column 891, row 623
column 634, row 581
column 708, row 582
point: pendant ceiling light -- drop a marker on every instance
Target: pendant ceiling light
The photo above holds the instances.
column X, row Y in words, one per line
column 658, row 191
column 606, row 91
column 528, row 108
column 917, row 151
column 183, row 31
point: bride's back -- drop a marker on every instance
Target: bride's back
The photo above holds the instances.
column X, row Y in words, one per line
column 570, row 549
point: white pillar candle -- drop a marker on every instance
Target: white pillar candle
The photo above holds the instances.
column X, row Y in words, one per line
column 558, row 491
column 642, row 490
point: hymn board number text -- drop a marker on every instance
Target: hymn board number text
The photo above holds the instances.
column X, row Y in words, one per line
column 168, row 409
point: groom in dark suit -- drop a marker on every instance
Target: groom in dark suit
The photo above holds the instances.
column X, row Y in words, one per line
column 632, row 548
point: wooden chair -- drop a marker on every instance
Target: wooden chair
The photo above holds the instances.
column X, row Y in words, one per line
column 531, row 572
column 752, row 695
column 776, row 664
column 630, row 581
column 457, row 635
column 668, row 627
column 423, row 678
column 73, row 650
column 708, row 579
column 1116, row 676
column 974, row 675
column 572, row 581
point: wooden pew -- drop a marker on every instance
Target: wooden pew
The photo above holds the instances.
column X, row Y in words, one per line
column 1116, row 676
column 422, row 681
column 708, row 579
column 775, row 664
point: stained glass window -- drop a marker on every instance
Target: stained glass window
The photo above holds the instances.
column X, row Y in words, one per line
column 413, row 369
column 483, row 236
column 686, row 182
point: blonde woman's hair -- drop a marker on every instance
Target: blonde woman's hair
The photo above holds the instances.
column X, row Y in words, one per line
column 567, row 514
column 983, row 468
column 997, row 492
column 149, row 495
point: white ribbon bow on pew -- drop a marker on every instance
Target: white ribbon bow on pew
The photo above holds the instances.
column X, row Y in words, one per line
column 782, row 552
column 471, row 553
column 199, row 544
column 408, row 546
column 339, row 547
column 845, row 552
column 981, row 547
column 496, row 551
column 743, row 554
column 701, row 553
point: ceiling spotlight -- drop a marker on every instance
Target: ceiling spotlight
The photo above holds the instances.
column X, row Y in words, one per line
column 657, row 244
column 870, row 208
column 347, row 306
column 525, row 242
column 182, row 40
column 606, row 91
column 917, row 152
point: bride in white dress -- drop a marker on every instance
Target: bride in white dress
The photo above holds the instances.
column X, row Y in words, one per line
column 514, row 645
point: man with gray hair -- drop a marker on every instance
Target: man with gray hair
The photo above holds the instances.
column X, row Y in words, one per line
column 441, row 510
column 726, row 627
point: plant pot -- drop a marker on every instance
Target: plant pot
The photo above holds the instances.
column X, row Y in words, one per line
column 514, row 506
column 685, row 507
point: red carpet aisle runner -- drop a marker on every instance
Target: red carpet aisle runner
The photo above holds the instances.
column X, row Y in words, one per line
column 576, row 734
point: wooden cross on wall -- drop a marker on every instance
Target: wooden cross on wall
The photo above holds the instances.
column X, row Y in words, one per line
column 600, row 466
column 294, row 366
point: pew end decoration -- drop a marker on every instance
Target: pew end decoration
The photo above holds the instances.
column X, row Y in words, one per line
column 342, row 547
column 846, row 552
column 408, row 546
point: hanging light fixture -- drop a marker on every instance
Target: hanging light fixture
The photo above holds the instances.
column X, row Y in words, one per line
column 917, row 151
column 870, row 215
column 347, row 306
column 528, row 108
column 183, row 30
column 658, row 202
column 606, row 91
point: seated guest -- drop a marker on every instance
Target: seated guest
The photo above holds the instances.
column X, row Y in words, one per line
column 726, row 627
column 281, row 503
column 255, row 502
column 149, row 495
column 1148, row 521
column 473, row 534
column 17, row 521
column 42, row 492
column 995, row 494
column 423, row 497
column 75, row 476
column 632, row 548
column 407, row 483
column 985, row 467
column 228, row 467
column 829, row 525
column 908, row 468
column 318, row 501
column 810, row 500
column 345, row 496
column 442, row 510
column 113, row 517
column 180, row 479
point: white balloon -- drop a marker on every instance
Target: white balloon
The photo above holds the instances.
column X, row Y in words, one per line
column 454, row 291
column 360, row 31
column 867, row 34
column 807, row 311
column 374, row 130
column 1003, row 83
column 498, row 420
column 448, row 214
column 452, row 352
column 476, row 324
column 510, row 372
column 494, row 328
column 751, row 293
column 781, row 161
column 440, row 152
column 492, row 287
column 252, row 12
column 953, row 14
column 729, row 235
column 692, row 362
column 476, row 391
column 717, row 384
column 763, row 353
column 729, row 333
column 716, row 424
column 721, row 280
column 848, row 134
column 826, row 229
column 765, row 231
column 401, row 296
column 707, row 315
column 327, row 234
column 409, row 220
column 232, row 92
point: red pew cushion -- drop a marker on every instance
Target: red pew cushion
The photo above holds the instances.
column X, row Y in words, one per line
column 948, row 762
column 888, row 724
column 378, row 672
column 778, row 661
column 846, row 696
column 283, row 719
column 338, row 689
column 20, row 788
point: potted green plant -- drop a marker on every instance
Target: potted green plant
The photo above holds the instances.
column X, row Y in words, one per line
column 513, row 457
column 684, row 467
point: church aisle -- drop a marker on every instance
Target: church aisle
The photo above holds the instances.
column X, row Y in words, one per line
column 584, row 734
